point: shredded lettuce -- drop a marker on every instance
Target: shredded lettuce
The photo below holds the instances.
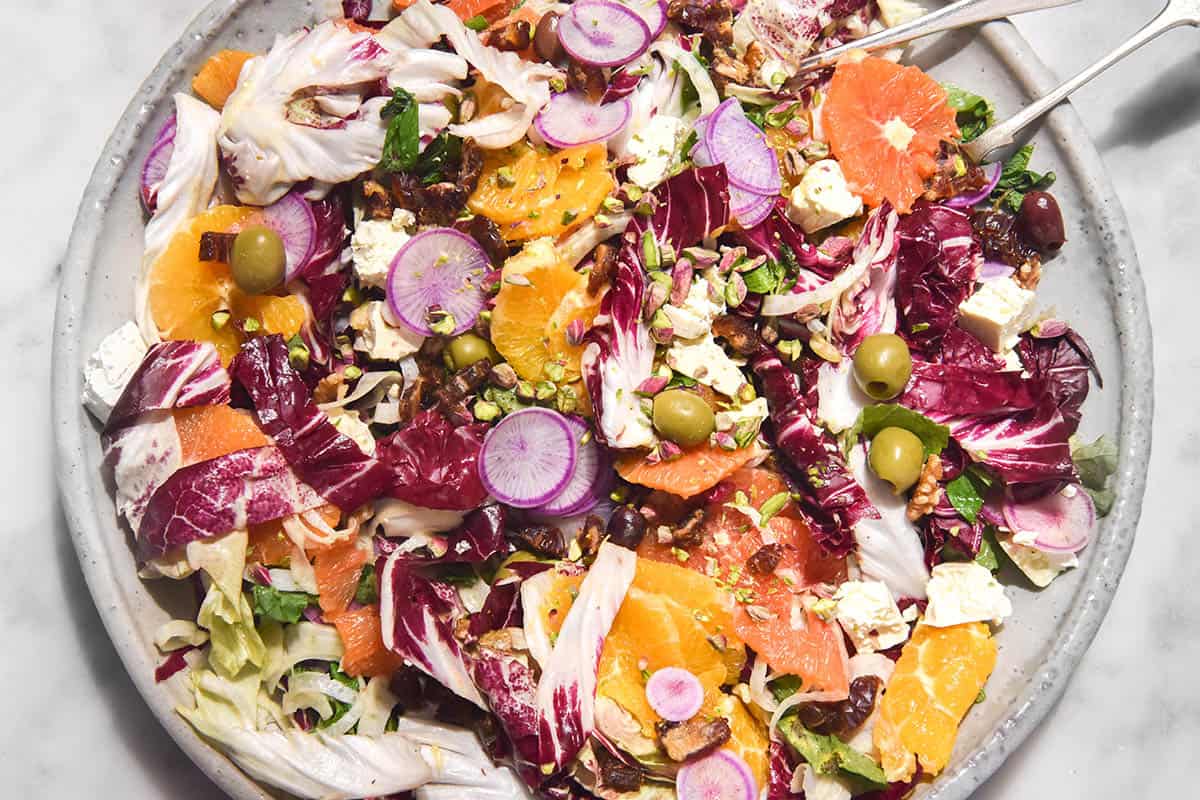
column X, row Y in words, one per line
column 225, row 612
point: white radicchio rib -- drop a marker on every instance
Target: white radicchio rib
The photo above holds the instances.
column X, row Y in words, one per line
column 185, row 191
column 889, row 548
column 301, row 112
column 566, row 693
column 869, row 305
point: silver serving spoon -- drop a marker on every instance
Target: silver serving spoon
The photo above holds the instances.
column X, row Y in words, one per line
column 955, row 15
column 1176, row 14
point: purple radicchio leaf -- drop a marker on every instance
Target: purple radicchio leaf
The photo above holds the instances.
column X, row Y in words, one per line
column 962, row 391
column 690, row 206
column 833, row 498
column 172, row 375
column 868, row 306
column 779, row 775
column 417, row 618
column 945, row 525
column 511, row 690
column 1027, row 447
column 620, row 85
column 214, row 497
column 434, row 464
column 330, row 462
column 501, row 609
column 330, row 226
column 963, row 350
column 777, row 234
column 480, row 536
column 939, row 261
column 1063, row 362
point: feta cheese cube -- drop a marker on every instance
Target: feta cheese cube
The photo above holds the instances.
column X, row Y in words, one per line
column 822, row 198
column 705, row 361
column 375, row 243
column 349, row 424
column 655, row 148
column 109, row 369
column 378, row 337
column 898, row 12
column 695, row 317
column 964, row 592
column 997, row 314
column 754, row 411
column 869, row 616
column 1039, row 566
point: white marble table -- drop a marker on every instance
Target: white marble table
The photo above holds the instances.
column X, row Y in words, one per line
column 1129, row 724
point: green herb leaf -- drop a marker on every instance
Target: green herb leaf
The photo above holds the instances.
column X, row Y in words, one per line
column 986, row 557
column 785, row 686
column 1016, row 179
column 1096, row 462
column 439, row 160
column 765, row 279
column 285, row 607
column 477, row 23
column 966, row 495
column 873, row 419
column 974, row 114
column 828, row 754
column 367, row 592
column 402, row 142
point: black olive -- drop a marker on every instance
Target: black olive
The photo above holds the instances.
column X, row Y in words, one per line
column 545, row 39
column 626, row 527
column 1041, row 222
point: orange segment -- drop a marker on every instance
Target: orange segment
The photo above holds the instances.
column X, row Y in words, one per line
column 270, row 545
column 529, row 322
column 530, row 193
column 337, row 570
column 937, row 679
column 217, row 79
column 885, row 124
column 362, row 640
column 210, row 431
column 185, row 292
column 696, row 471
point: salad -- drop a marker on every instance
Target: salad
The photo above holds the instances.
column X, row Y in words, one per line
column 571, row 400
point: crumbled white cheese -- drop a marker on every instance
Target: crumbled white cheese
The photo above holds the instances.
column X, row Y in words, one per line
column 869, row 616
column 839, row 400
column 898, row 12
column 705, row 361
column 1039, row 566
column 964, row 592
column 822, row 198
column 378, row 337
column 656, row 147
column 351, row 425
column 694, row 318
column 998, row 313
column 376, row 242
column 109, row 369
column 754, row 411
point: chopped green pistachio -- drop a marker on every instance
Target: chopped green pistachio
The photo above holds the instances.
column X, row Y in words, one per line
column 442, row 322
column 569, row 216
column 545, row 390
column 565, row 400
column 526, row 390
column 680, row 554
column 651, row 256
column 558, row 85
column 485, row 411
column 353, row 295
column 298, row 355
column 220, row 319
column 505, row 178
column 746, row 393
column 555, row 371
column 824, row 608
column 791, row 348
column 613, row 204
column 352, row 373
column 251, row 325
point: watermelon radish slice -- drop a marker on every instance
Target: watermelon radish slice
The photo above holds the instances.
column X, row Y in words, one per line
column 721, row 775
column 1060, row 522
column 438, row 269
column 570, row 119
column 737, row 142
column 675, row 694
column 528, row 459
column 590, row 479
column 603, row 33
column 292, row 218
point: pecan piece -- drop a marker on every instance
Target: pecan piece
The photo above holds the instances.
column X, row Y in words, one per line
column 928, row 493
column 688, row 532
column 739, row 332
column 687, row 740
column 615, row 774
column 765, row 559
column 604, row 267
column 1029, row 274
column 326, row 390
column 377, row 200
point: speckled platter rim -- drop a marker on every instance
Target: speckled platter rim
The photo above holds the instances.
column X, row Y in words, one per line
column 83, row 509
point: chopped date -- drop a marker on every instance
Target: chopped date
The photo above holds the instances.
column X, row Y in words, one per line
column 765, row 559
column 845, row 715
column 545, row 540
column 615, row 774
column 688, row 533
column 604, row 267
column 487, row 234
column 377, row 200
column 513, row 36
column 588, row 80
column 687, row 740
column 712, row 19
column 1001, row 240
column 216, row 246
column 739, row 332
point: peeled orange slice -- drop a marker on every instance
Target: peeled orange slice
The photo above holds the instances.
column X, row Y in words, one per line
column 886, row 123
column 217, row 79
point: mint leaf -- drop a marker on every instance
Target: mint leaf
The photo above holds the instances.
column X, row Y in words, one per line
column 1016, row 179
column 285, row 607
column 785, row 686
column 873, row 419
column 986, row 557
column 764, row 279
column 966, row 496
column 402, row 141
column 477, row 23
column 974, row 114
column 829, row 754
column 439, row 160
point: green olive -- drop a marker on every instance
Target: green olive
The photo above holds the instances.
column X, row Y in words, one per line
column 683, row 417
column 465, row 349
column 882, row 365
column 258, row 260
column 897, row 456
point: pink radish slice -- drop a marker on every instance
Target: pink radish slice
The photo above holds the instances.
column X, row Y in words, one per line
column 528, row 459
column 570, row 119
column 1060, row 522
column 292, row 218
column 721, row 775
column 969, row 200
column 155, row 167
column 588, row 482
column 652, row 12
column 749, row 208
column 994, row 270
column 441, row 268
column 742, row 147
column 675, row 694
column 603, row 33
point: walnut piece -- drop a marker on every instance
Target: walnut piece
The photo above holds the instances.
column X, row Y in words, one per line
column 928, row 493
column 1029, row 274
column 686, row 740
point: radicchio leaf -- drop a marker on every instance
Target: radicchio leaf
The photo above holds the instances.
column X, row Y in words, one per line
column 330, row 462
column 177, row 374
column 479, row 538
column 214, row 497
column 868, row 307
column 1063, row 362
column 501, row 609
column 511, row 691
column 433, row 464
column 964, row 350
column 692, row 205
column 779, row 776
column 330, row 218
column 961, row 391
column 939, row 262
column 417, row 617
column 833, row 498
column 777, row 235
column 1027, row 447
column 944, row 525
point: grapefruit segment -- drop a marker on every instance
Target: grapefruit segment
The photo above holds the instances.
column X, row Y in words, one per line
column 337, row 570
column 207, row 432
column 362, row 640
column 696, row 471
column 217, row 79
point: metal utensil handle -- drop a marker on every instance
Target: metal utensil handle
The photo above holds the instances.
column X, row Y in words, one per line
column 1176, row 14
column 955, row 15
